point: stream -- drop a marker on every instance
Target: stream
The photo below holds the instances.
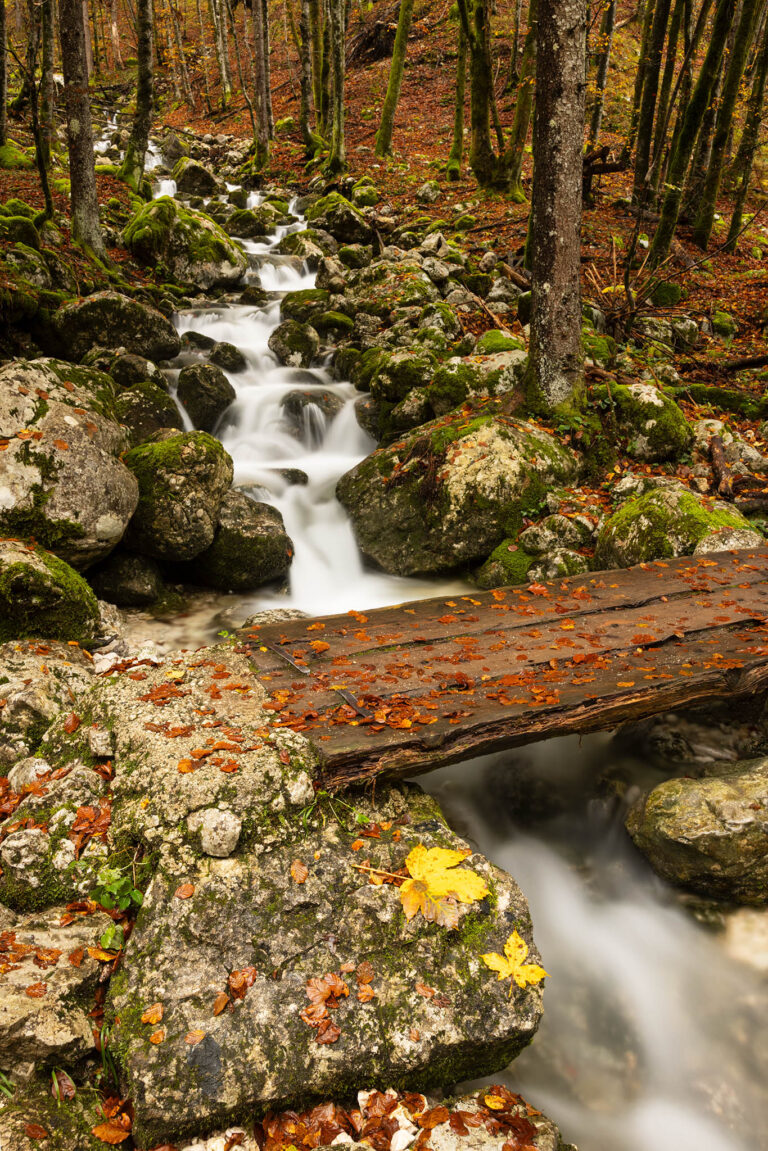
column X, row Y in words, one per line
column 651, row 1035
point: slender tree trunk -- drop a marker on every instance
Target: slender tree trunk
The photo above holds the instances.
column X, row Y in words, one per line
column 74, row 58
column 702, row 152
column 558, row 143
column 305, row 77
column 648, row 101
column 337, row 161
column 91, row 48
column 114, row 29
column 204, row 57
column 261, row 103
column 316, row 14
column 749, row 140
column 326, row 73
column 513, row 76
column 132, row 168
column 219, row 22
column 606, row 44
column 396, row 69
column 46, row 81
column 515, row 151
column 186, row 84
column 457, row 145
column 3, row 76
column 482, row 157
column 629, row 143
column 706, row 215
column 668, row 76
column 267, row 67
column 681, row 156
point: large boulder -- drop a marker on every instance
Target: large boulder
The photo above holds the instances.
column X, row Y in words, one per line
column 250, row 547
column 184, row 245
column 666, row 521
column 206, row 393
column 194, row 179
column 182, row 481
column 144, row 409
column 335, row 214
column 709, row 834
column 653, row 425
column 126, row 579
column 41, row 595
column 62, row 481
column 384, row 286
column 254, row 223
column 294, row 344
column 34, row 692
column 447, row 494
column 109, row 320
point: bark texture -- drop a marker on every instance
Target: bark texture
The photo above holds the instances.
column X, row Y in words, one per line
column 555, row 233
column 132, row 169
column 397, row 67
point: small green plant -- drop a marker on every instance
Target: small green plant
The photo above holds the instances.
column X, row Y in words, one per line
column 6, row 1086
column 350, row 812
column 108, row 1065
column 115, row 890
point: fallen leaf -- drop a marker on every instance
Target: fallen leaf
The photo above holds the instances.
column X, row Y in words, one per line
column 157, row 1036
column 153, row 1014
column 110, row 1133
column 36, row 990
column 71, row 723
column 35, row 1131
column 299, row 871
column 436, row 884
column 194, row 1037
column 512, row 964
column 64, row 1088
column 220, row 1002
column 184, row 891
column 366, row 993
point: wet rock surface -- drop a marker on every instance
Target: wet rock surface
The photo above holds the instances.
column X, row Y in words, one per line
column 112, row 320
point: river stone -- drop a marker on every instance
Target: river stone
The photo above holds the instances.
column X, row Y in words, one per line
column 34, row 692
column 711, row 834
column 294, row 407
column 53, row 1027
column 387, row 285
column 41, row 595
column 448, row 493
column 294, row 344
column 127, row 580
column 182, row 481
column 335, row 214
column 128, row 369
column 250, row 547
column 653, row 424
column 228, row 357
column 184, row 245
column 206, row 393
column 194, row 179
column 111, row 320
column 666, row 521
column 62, row 480
column 260, row 1054
column 144, row 409
column 303, row 245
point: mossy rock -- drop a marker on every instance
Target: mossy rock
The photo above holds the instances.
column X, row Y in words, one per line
column 194, row 179
column 666, row 295
column 250, row 548
column 17, row 207
column 254, row 223
column 724, row 325
column 19, row 230
column 452, row 384
column 205, row 393
column 333, row 323
column 365, row 195
column 185, row 245
column 665, row 522
column 40, row 595
column 507, row 565
column 302, row 244
column 304, row 304
column 109, row 319
column 398, row 372
column 381, row 288
column 653, row 425
column 294, row 344
column 127, row 580
column 144, row 409
column 494, row 341
column 342, row 219
column 15, row 158
column 355, row 255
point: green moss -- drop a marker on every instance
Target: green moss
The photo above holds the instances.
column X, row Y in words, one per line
column 304, row 304
column 16, row 207
column 19, row 230
column 666, row 295
column 13, row 157
column 47, row 598
column 494, row 341
column 650, row 431
column 508, row 564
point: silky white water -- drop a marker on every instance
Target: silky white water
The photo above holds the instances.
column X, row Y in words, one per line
column 651, row 1037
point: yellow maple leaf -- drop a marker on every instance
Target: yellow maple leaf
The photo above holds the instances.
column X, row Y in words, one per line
column 514, row 967
column 437, row 885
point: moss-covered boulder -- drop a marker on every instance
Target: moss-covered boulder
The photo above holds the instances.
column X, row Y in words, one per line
column 381, row 288
column 507, row 565
column 144, row 409
column 494, row 341
column 194, row 179
column 709, row 834
column 127, row 579
column 305, row 304
column 62, row 481
column 250, row 547
column 109, row 320
column 185, row 245
column 254, row 223
column 667, row 521
column 41, row 595
column 452, row 384
column 398, row 372
column 448, row 493
column 294, row 344
column 19, row 230
column 205, row 393
column 653, row 425
column 336, row 215
column 29, row 265
column 182, row 481
column 304, row 245
column 227, row 356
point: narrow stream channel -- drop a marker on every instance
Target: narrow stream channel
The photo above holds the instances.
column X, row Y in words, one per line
column 651, row 1038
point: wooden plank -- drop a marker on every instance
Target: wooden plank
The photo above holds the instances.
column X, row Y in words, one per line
column 401, row 690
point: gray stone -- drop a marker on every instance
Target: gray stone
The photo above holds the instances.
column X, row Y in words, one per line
column 250, row 547
column 219, row 831
column 114, row 321
column 34, row 693
column 206, row 393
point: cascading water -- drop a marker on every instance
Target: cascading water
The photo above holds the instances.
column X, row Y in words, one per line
column 651, row 1035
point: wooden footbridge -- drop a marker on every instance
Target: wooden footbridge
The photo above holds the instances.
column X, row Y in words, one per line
column 401, row 690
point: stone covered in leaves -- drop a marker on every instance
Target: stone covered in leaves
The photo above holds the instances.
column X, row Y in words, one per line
column 448, row 493
column 110, row 320
column 182, row 481
column 709, row 834
column 62, row 481
column 32, row 698
column 313, row 981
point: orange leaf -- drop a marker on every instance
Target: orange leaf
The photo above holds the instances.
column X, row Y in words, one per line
column 194, row 1037
column 36, row 990
column 72, row 723
column 110, row 1133
column 184, row 891
column 319, row 645
column 35, row 1131
column 366, row 993
column 157, row 1036
column 299, row 871
column 62, row 445
column 220, row 1002
column 153, row 1014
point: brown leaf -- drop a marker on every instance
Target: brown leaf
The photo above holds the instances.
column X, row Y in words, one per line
column 415, row 1035
column 184, row 891
column 327, row 1032
column 76, row 957
column 365, row 972
column 366, row 993
column 436, row 1115
column 157, row 1036
column 71, row 723
column 299, row 871
column 110, row 1133
column 336, row 984
column 220, row 1002
column 35, row 1131
column 425, row 991
column 240, row 981
column 194, row 1037
column 36, row 990
column 65, row 1087
column 314, row 1014
column 153, row 1014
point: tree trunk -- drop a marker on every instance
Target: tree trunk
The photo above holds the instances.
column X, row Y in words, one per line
column 326, row 73
column 46, row 81
column 316, row 14
column 749, row 140
column 662, row 112
column 305, row 77
column 700, row 98
column 513, row 75
column 736, row 64
column 3, row 76
column 384, row 134
column 186, row 84
column 555, row 233
column 457, row 146
column 132, row 168
column 114, row 30
column 204, row 57
column 219, row 22
column 601, row 79
column 74, row 58
column 337, row 161
column 267, row 67
column 648, row 102
column 515, row 151
column 88, row 42
column 629, row 143
column 482, row 157
column 261, row 102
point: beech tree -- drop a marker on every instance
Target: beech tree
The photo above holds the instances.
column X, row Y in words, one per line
column 3, row 77
column 745, row 157
column 132, row 168
column 556, row 366
column 396, row 69
column 86, row 229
